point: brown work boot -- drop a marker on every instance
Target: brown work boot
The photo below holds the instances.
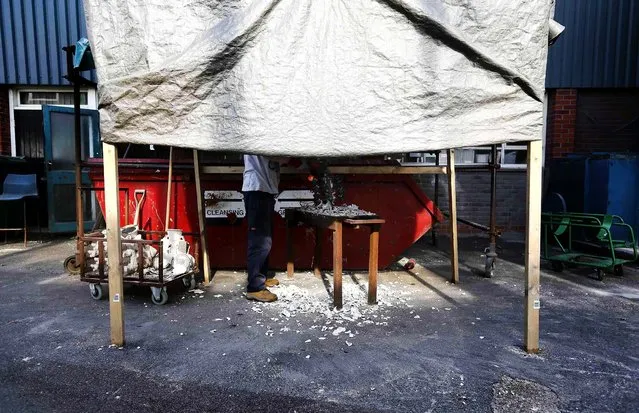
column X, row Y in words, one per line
column 271, row 282
column 264, row 296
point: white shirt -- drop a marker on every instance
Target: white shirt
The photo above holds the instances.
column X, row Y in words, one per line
column 260, row 174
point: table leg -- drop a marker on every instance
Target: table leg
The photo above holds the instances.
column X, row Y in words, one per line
column 290, row 265
column 337, row 264
column 317, row 257
column 373, row 259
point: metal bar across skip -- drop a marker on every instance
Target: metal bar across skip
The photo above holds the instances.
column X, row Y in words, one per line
column 296, row 216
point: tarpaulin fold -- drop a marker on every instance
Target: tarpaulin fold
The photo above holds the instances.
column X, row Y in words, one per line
column 320, row 77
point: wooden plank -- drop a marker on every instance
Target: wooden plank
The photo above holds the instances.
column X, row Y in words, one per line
column 337, row 264
column 386, row 170
column 223, row 169
column 371, row 221
column 317, row 256
column 452, row 196
column 343, row 170
column 206, row 263
column 533, row 230
column 168, row 189
column 114, row 245
column 290, row 258
column 373, row 259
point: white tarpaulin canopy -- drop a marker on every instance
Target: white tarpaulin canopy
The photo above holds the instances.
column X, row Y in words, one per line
column 320, row 77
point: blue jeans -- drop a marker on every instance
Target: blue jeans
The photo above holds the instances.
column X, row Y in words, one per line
column 259, row 214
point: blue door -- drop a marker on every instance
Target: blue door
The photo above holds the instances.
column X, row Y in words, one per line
column 59, row 156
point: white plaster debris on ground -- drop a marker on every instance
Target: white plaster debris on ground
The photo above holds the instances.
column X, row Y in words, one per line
column 299, row 308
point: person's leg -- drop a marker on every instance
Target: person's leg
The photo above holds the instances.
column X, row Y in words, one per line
column 268, row 228
column 259, row 238
column 259, row 246
column 271, row 281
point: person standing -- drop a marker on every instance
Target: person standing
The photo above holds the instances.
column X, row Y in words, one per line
column 260, row 187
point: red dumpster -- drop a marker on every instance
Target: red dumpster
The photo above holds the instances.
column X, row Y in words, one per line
column 409, row 214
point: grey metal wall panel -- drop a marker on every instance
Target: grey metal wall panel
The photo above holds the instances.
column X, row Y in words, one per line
column 33, row 33
column 600, row 46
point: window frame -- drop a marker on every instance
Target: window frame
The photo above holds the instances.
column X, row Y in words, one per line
column 14, row 104
column 443, row 160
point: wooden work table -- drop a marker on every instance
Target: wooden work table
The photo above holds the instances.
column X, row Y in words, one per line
column 295, row 216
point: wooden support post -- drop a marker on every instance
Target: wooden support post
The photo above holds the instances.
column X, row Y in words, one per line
column 337, row 263
column 114, row 244
column 206, row 263
column 290, row 254
column 317, row 257
column 373, row 259
column 452, row 196
column 533, row 230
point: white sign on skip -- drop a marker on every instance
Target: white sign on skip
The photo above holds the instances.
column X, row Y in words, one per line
column 221, row 204
column 293, row 199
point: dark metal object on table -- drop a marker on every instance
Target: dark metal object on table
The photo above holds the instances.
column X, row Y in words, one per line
column 328, row 190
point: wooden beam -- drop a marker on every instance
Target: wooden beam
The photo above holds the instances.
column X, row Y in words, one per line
column 533, row 231
column 290, row 254
column 206, row 263
column 452, row 197
column 343, row 170
column 387, row 170
column 114, row 244
column 373, row 261
column 337, row 263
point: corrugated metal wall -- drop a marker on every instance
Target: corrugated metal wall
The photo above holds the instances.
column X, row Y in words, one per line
column 32, row 34
column 600, row 46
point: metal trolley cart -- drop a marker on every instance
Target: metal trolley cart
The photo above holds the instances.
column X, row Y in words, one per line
column 157, row 279
column 561, row 231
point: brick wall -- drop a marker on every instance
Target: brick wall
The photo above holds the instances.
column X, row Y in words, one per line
column 5, row 131
column 562, row 117
column 473, row 198
column 607, row 121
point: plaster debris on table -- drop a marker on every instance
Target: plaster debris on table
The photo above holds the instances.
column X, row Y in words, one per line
column 348, row 211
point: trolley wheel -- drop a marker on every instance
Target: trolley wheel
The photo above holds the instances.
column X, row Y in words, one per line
column 618, row 270
column 599, row 273
column 557, row 266
column 96, row 291
column 164, row 297
column 70, row 265
column 189, row 282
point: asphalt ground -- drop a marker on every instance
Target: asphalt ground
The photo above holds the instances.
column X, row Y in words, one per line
column 427, row 346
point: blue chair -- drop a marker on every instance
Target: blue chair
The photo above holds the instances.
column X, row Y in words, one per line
column 19, row 188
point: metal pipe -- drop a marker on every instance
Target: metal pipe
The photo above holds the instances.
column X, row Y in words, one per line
column 491, row 251
column 493, row 196
column 72, row 76
column 472, row 224
column 434, row 230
